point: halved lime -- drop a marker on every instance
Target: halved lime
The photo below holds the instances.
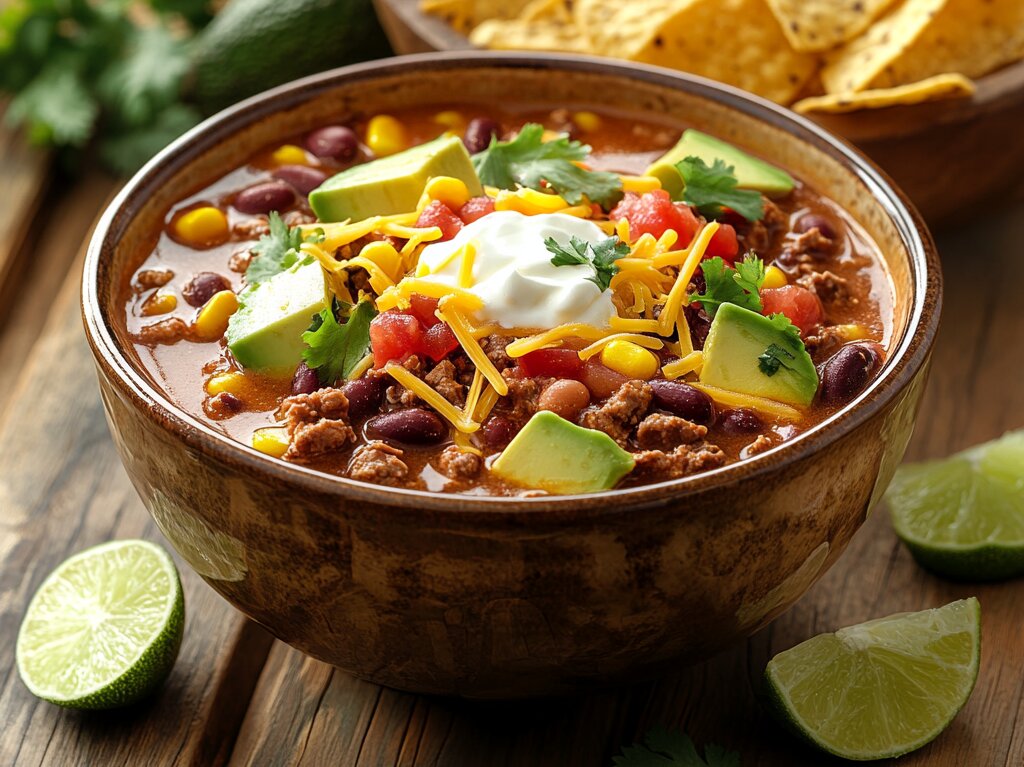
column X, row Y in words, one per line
column 964, row 516
column 104, row 628
column 882, row 688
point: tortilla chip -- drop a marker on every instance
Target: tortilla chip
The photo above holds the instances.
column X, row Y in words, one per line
column 539, row 35
column 696, row 36
column 463, row 15
column 922, row 38
column 947, row 86
column 817, row 25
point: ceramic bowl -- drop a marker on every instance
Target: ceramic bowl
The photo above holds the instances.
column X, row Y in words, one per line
column 500, row 597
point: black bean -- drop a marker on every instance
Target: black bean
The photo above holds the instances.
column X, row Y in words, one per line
column 845, row 374
column 305, row 380
column 810, row 221
column 413, row 426
column 302, row 177
column 479, row 133
column 335, row 141
column 740, row 421
column 684, row 401
column 497, row 431
column 264, row 197
column 202, row 287
column 364, row 396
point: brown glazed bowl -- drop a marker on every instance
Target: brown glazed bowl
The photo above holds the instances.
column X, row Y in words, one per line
column 501, row 597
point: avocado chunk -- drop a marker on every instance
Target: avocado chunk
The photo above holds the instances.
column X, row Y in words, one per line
column 751, row 173
column 265, row 334
column 393, row 184
column 749, row 353
column 560, row 457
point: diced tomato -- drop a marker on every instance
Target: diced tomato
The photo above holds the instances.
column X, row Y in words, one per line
column 423, row 308
column 439, row 214
column 395, row 335
column 476, row 207
column 439, row 341
column 560, row 363
column 723, row 244
column 798, row 303
column 653, row 213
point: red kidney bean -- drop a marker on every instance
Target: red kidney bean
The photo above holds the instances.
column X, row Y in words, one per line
column 302, row 177
column 740, row 421
column 602, row 381
column 564, row 397
column 264, row 197
column 479, row 133
column 335, row 141
column 305, row 380
column 202, row 286
column 364, row 396
column 497, row 431
column 684, row 401
column 845, row 374
column 413, row 426
column 810, row 221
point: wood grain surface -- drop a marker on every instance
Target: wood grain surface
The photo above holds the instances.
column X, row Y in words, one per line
column 237, row 697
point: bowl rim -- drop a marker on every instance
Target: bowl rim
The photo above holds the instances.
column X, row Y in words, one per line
column 901, row 366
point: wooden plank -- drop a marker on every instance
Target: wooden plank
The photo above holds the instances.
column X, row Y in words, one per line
column 62, row 489
column 305, row 713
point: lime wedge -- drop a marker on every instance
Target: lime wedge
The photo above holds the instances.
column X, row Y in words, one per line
column 104, row 628
column 964, row 516
column 882, row 688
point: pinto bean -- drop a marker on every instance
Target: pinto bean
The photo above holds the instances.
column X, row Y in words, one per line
column 602, row 381
column 565, row 398
column 845, row 374
column 413, row 426
column 264, row 197
column 684, row 401
column 364, row 396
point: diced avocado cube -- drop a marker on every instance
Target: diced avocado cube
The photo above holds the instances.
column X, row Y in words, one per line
column 751, row 173
column 265, row 334
column 733, row 358
column 393, row 184
column 560, row 457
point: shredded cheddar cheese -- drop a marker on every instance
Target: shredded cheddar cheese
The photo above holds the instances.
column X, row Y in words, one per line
column 761, row 404
column 361, row 367
column 423, row 390
column 553, row 337
column 690, row 363
column 447, row 312
column 465, row 278
column 678, row 293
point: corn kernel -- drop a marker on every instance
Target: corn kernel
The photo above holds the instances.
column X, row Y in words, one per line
column 213, row 318
column 852, row 332
column 272, row 440
column 385, row 135
column 160, row 302
column 289, row 154
column 202, row 227
column 630, row 359
column 640, row 184
column 774, row 277
column 232, row 382
column 453, row 192
column 588, row 122
column 451, row 119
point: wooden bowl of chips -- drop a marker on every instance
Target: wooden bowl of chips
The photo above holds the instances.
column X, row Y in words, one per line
column 932, row 90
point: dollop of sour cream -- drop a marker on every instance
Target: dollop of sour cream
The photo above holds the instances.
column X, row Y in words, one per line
column 513, row 274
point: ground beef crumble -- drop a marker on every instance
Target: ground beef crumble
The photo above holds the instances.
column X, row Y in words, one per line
column 147, row 279
column 443, row 379
column 664, row 432
column 521, row 400
column 684, row 460
column 455, row 463
column 494, row 346
column 759, row 236
column 399, row 395
column 759, row 445
column 168, row 331
column 621, row 412
column 317, row 424
column 828, row 286
column 378, row 462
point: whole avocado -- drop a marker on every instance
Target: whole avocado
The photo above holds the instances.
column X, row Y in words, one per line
column 252, row 45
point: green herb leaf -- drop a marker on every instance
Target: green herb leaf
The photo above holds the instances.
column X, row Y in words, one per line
column 334, row 349
column 728, row 285
column 528, row 160
column 711, row 189
column 664, row 748
column 56, row 107
column 600, row 257
column 275, row 252
column 128, row 150
column 772, row 359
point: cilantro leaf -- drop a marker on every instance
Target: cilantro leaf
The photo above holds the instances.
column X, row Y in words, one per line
column 528, row 160
column 782, row 322
column 772, row 359
column 728, row 285
column 56, row 106
column 601, row 257
column 711, row 189
column 664, row 748
column 275, row 252
column 334, row 349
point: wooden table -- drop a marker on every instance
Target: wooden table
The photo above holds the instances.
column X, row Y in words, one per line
column 239, row 697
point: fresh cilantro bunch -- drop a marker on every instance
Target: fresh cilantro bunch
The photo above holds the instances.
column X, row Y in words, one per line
column 74, row 65
column 728, row 285
column 528, row 160
column 664, row 748
column 712, row 189
column 600, row 257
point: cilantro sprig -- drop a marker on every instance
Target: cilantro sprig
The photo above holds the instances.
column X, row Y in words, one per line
column 665, row 748
column 601, row 257
column 711, row 189
column 728, row 285
column 333, row 349
column 277, row 251
column 528, row 160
